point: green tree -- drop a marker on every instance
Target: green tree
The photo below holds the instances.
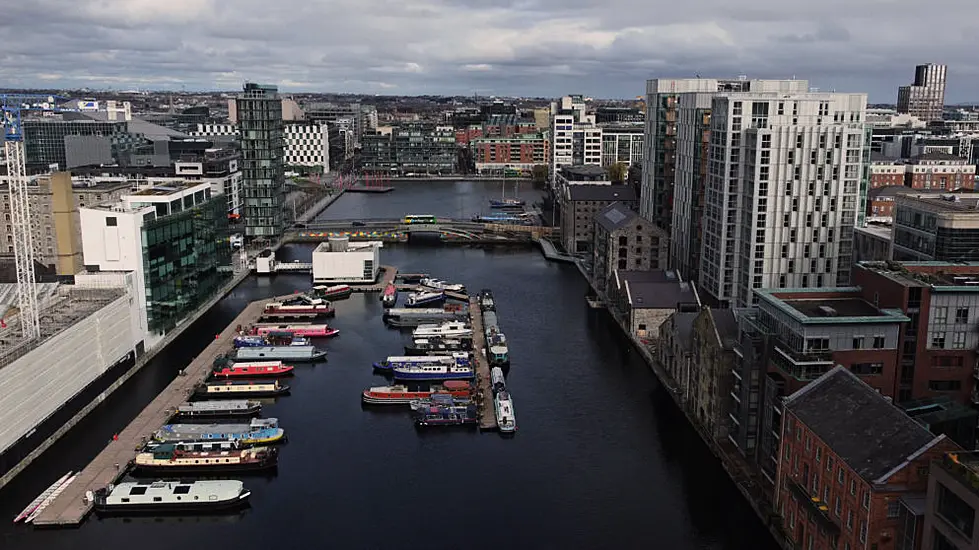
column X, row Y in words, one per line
column 617, row 172
column 539, row 173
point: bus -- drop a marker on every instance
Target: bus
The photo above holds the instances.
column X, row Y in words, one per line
column 417, row 218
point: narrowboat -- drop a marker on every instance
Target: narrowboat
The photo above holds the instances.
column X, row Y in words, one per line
column 438, row 284
column 401, row 395
column 318, row 308
column 486, row 301
column 498, row 352
column 394, row 361
column 440, row 400
column 436, row 414
column 334, row 292
column 271, row 339
column 307, row 330
column 413, row 317
column 242, row 388
column 280, row 353
column 497, row 380
column 164, row 496
column 259, row 431
column 425, row 299
column 506, row 420
column 437, row 346
column 452, row 329
column 390, row 295
column 168, row 459
column 212, row 446
column 433, row 372
column 219, row 409
column 253, row 369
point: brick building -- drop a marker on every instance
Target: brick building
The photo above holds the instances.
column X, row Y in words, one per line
column 886, row 171
column 715, row 332
column 623, row 240
column 848, row 462
column 518, row 152
column 950, row 509
column 940, row 171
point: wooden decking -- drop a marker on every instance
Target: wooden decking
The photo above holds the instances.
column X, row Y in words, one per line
column 70, row 508
column 390, row 273
column 484, row 392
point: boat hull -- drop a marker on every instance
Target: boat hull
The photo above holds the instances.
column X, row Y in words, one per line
column 204, row 394
column 197, row 469
column 272, row 353
column 431, row 376
column 169, row 507
column 228, row 413
column 231, row 373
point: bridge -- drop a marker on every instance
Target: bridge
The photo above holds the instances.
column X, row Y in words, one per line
column 395, row 230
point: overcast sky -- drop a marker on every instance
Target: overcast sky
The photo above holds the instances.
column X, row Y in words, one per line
column 601, row 48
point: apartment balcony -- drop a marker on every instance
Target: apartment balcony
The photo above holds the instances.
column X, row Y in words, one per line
column 802, row 366
column 820, row 510
column 964, row 466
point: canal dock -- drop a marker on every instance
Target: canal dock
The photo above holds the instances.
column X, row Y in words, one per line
column 484, row 393
column 71, row 507
column 390, row 274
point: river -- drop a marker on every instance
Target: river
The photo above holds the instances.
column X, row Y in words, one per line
column 602, row 458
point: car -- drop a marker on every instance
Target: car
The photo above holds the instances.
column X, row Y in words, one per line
column 359, row 224
column 299, row 226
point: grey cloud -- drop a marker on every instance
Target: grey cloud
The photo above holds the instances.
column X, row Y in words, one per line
column 604, row 48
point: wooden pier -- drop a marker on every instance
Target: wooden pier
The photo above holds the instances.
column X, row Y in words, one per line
column 484, row 391
column 390, row 273
column 70, row 508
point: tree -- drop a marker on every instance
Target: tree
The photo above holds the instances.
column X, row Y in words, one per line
column 539, row 173
column 617, row 172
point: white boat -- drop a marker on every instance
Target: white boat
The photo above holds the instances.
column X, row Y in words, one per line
column 439, row 284
column 47, row 501
column 169, row 496
column 423, row 298
column 497, row 380
column 452, row 329
column 505, row 418
column 224, row 407
column 40, row 498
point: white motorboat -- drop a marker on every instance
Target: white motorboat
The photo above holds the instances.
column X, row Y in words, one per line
column 452, row 329
column 506, row 420
column 439, row 284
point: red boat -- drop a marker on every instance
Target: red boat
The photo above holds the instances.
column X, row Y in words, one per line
column 253, row 369
column 335, row 292
column 390, row 295
column 401, row 395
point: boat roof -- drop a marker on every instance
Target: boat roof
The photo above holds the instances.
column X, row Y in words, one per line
column 456, row 384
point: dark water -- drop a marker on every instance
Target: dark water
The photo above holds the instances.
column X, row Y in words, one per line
column 602, row 458
column 441, row 198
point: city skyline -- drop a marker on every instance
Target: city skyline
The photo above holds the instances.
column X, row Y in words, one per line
column 527, row 48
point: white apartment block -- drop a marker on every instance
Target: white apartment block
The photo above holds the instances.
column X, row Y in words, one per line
column 622, row 144
column 213, row 130
column 576, row 140
column 783, row 192
column 307, row 144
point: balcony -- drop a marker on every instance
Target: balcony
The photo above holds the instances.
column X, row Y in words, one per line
column 818, row 508
column 964, row 466
column 801, row 366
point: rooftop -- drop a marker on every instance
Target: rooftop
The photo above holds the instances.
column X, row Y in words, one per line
column 726, row 324
column 959, row 202
column 655, row 289
column 601, row 192
column 872, row 436
column 587, row 172
column 939, row 156
column 615, row 216
column 828, row 305
column 169, row 188
column 683, row 327
column 840, row 307
column 955, row 276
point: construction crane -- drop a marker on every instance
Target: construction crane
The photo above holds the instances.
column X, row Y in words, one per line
column 20, row 211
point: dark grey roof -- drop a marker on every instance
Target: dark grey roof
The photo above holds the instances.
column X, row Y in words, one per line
column 651, row 276
column 683, row 327
column 583, row 171
column 938, row 156
column 616, row 215
column 872, row 436
column 880, row 157
column 660, row 295
column 601, row 192
column 726, row 325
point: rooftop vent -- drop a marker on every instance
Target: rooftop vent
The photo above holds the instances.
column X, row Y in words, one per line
column 827, row 311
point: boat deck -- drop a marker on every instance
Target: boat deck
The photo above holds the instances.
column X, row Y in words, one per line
column 70, row 508
column 390, row 273
column 484, row 393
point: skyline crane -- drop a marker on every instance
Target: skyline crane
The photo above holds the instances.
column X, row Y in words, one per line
column 20, row 210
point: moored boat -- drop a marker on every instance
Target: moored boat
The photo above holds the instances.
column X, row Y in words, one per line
column 437, row 346
column 334, row 292
column 259, row 431
column 167, row 458
column 218, row 409
column 438, row 284
column 497, row 380
column 444, row 415
column 197, row 445
column 240, row 388
column 507, row 203
column 506, row 420
column 317, row 308
column 41, row 497
column 390, row 295
column 395, row 361
column 253, row 369
column 425, row 299
column 280, row 353
column 451, row 329
column 307, row 330
column 433, row 372
column 402, row 395
column 439, row 400
column 413, row 317
column 486, row 300
column 159, row 496
column 498, row 351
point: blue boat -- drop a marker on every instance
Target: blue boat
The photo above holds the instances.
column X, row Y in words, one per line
column 433, row 372
column 265, row 341
column 395, row 361
column 259, row 431
column 507, row 203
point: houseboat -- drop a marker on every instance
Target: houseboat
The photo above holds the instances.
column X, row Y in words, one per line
column 164, row 496
column 413, row 317
column 440, row 399
column 280, row 353
column 316, row 308
column 437, row 414
column 497, row 380
column 498, row 353
column 437, row 346
column 433, row 372
column 438, row 284
column 198, row 446
column 253, row 369
column 505, row 418
column 334, row 292
column 167, row 459
column 219, row 409
column 242, row 388
column 486, row 301
column 394, row 361
column 425, row 299
column 308, row 330
column 401, row 395
column 259, row 431
column 270, row 339
column 452, row 329
column 390, row 295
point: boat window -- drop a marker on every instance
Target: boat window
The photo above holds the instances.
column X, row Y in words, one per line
column 181, row 490
column 124, row 499
column 157, row 499
column 137, row 491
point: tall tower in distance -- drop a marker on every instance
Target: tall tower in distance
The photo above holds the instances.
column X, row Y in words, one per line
column 259, row 113
column 925, row 98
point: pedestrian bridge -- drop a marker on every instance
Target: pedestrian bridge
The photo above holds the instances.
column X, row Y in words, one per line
column 395, row 230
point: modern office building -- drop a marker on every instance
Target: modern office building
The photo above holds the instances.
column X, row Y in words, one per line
column 412, row 149
column 71, row 143
column 173, row 239
column 362, row 118
column 619, row 115
column 622, row 144
column 950, row 521
column 575, row 139
column 936, row 227
column 307, row 144
column 341, row 261
column 925, row 98
column 784, row 190
column 262, row 153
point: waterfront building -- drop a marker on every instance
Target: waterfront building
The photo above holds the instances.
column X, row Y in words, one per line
column 518, row 152
column 414, row 149
column 578, row 206
column 576, row 140
column 949, row 514
column 342, row 261
column 784, row 192
column 71, row 143
column 622, row 144
column 936, row 227
column 675, row 351
column 307, row 144
column 647, row 299
column 623, row 240
column 708, row 393
column 173, row 239
column 55, row 231
column 849, row 461
column 259, row 114
column 925, row 98
column 362, row 119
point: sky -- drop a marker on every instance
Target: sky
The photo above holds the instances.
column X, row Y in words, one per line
column 600, row 48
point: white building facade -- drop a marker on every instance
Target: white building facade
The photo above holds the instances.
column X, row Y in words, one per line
column 342, row 261
column 307, row 144
column 622, row 144
column 576, row 141
column 213, row 130
column 783, row 192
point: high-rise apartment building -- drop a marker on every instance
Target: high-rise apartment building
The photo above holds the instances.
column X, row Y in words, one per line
column 784, row 184
column 307, row 144
column 259, row 111
column 925, row 98
column 576, row 140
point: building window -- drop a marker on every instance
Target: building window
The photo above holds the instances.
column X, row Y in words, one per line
column 878, row 342
column 819, row 453
column 853, row 487
column 867, row 369
column 893, row 509
column 858, row 342
column 958, row 340
column 944, row 385
column 938, row 341
column 866, row 500
column 111, row 221
column 955, row 511
column 962, row 315
column 863, row 531
column 839, row 475
column 839, row 507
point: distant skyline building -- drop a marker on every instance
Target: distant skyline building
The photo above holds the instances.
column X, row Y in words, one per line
column 925, row 98
column 576, row 140
column 259, row 112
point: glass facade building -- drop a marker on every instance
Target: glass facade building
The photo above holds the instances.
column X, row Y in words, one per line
column 259, row 111
column 45, row 143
